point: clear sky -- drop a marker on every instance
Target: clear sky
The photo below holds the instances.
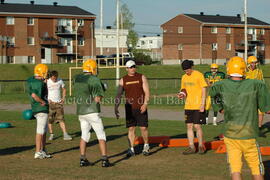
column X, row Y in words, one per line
column 150, row 14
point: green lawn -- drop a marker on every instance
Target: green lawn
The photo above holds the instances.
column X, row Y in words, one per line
column 17, row 150
column 14, row 92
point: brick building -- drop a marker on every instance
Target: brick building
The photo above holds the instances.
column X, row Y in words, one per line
column 213, row 38
column 33, row 33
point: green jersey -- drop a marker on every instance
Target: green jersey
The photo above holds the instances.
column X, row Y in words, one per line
column 240, row 101
column 86, row 88
column 214, row 77
column 39, row 88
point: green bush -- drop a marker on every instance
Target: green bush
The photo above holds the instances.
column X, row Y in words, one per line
column 142, row 58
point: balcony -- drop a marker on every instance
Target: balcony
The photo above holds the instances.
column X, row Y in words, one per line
column 65, row 51
column 49, row 41
column 68, row 31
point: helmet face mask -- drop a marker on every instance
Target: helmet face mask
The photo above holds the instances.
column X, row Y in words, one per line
column 214, row 70
column 252, row 59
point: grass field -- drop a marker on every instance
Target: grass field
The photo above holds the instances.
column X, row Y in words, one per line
column 17, row 150
column 12, row 92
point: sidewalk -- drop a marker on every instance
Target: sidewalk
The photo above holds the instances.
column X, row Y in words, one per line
column 108, row 111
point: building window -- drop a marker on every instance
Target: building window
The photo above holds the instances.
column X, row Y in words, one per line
column 42, row 53
column 228, row 46
column 150, row 41
column 63, row 41
column 142, row 43
column 10, row 60
column 214, row 30
column 10, row 20
column 180, row 30
column 80, row 22
column 11, row 41
column 214, row 46
column 262, row 47
column 180, row 47
column 262, row 31
column 31, row 41
column 228, row 30
column 81, row 41
column 251, row 31
column 30, row 21
column 31, row 60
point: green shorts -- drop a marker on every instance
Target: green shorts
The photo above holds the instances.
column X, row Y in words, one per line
column 56, row 113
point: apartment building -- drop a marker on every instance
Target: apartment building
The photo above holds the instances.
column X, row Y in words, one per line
column 210, row 39
column 107, row 40
column 152, row 46
column 32, row 33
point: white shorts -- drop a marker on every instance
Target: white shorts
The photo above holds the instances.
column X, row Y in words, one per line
column 42, row 123
column 87, row 122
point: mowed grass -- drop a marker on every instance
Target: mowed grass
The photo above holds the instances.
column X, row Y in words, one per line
column 23, row 71
column 14, row 92
column 17, row 150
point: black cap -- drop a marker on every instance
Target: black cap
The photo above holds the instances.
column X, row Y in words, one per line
column 187, row 64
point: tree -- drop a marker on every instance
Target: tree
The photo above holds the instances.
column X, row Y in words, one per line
column 126, row 22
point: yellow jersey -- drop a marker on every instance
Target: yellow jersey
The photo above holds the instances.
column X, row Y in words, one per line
column 193, row 84
column 254, row 74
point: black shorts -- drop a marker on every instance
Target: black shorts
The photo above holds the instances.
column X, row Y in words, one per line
column 134, row 117
column 195, row 117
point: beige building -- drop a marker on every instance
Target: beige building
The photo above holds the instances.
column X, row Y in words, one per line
column 107, row 39
column 210, row 39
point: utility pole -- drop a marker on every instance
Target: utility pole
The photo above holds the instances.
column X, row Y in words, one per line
column 246, row 41
column 101, row 27
column 117, row 44
column 76, row 41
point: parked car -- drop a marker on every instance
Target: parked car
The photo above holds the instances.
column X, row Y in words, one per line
column 123, row 59
column 101, row 59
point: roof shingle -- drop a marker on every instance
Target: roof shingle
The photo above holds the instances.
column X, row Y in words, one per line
column 43, row 9
column 225, row 19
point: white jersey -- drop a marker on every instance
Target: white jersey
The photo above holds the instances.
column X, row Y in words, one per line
column 54, row 90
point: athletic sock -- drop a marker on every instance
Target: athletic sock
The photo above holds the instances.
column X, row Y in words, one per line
column 145, row 145
column 132, row 149
column 104, row 157
column 83, row 157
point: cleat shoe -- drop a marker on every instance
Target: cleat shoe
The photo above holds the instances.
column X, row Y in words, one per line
column 130, row 153
column 106, row 163
column 85, row 162
column 39, row 155
column 45, row 154
column 201, row 150
column 146, row 150
column 67, row 137
column 189, row 150
column 51, row 137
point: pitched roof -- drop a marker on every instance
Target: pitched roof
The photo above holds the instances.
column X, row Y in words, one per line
column 217, row 19
column 43, row 9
